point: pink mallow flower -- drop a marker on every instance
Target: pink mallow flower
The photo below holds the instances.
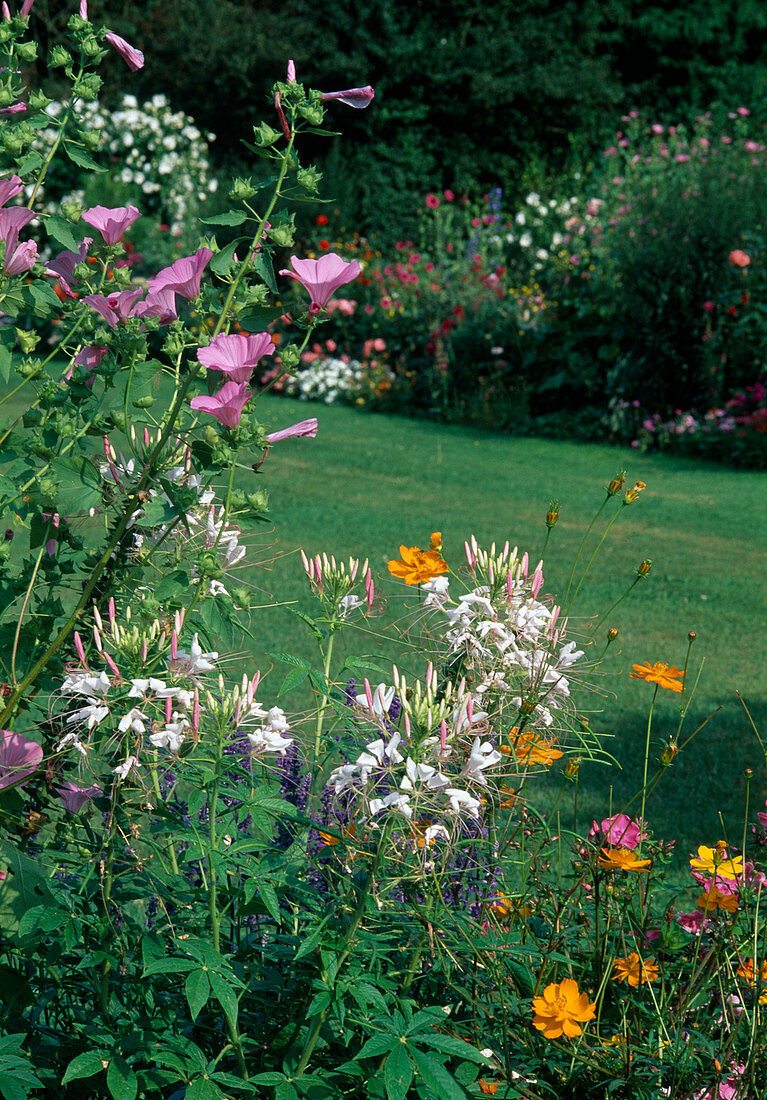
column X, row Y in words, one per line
column 117, row 308
column 88, row 357
column 74, row 797
column 301, row 430
column 322, row 277
column 22, row 259
column 618, row 831
column 352, row 97
column 12, row 221
column 227, row 404
column 739, row 258
column 9, row 188
column 63, row 265
column 111, row 223
column 132, row 57
column 236, row 356
column 184, row 276
column 19, row 757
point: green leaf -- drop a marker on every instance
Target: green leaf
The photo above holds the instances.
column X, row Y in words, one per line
column 256, row 318
column 229, row 217
column 203, row 1089
column 225, row 995
column 223, row 261
column 378, row 1045
column 45, row 301
column 268, row 1079
column 61, row 230
column 122, row 1082
column 285, row 1091
column 197, row 990
column 11, row 1088
column 434, row 1074
column 295, row 677
column 449, row 1044
column 398, row 1073
column 23, row 889
column 6, row 363
column 262, row 264
column 168, row 966
column 82, row 159
column 85, row 1065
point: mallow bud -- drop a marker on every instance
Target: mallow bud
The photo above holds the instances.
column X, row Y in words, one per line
column 259, row 500
column 28, row 341
column 312, row 112
column 242, row 190
column 26, row 51
column 309, row 179
column 282, row 235
column 265, row 134
column 59, row 57
column 290, row 356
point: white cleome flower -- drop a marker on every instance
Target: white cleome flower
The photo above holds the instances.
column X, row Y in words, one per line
column 85, row 683
column 172, row 735
column 122, row 770
column 91, row 715
column 195, row 661
column 134, row 720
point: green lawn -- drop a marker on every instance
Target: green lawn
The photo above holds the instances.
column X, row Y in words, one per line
column 368, row 483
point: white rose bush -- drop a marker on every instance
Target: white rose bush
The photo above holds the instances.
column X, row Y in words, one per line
column 207, row 888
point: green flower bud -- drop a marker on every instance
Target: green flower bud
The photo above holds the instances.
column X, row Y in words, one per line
column 38, row 101
column 174, row 344
column 207, row 564
column 144, row 402
column 88, row 86
column 26, row 51
column 237, row 499
column 59, row 57
column 264, row 135
column 290, row 356
column 119, row 421
column 211, row 436
column 90, row 46
column 91, row 140
column 28, row 341
column 48, row 486
column 7, row 97
column 242, row 190
column 257, row 295
column 13, row 144
column 309, row 179
column 258, row 500
column 312, row 112
column 73, row 211
column 282, row 235
column 242, row 598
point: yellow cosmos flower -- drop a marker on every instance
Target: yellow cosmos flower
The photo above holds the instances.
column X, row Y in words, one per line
column 666, row 676
column 712, row 861
column 562, row 1009
column 622, row 859
column 635, row 970
column 417, row 566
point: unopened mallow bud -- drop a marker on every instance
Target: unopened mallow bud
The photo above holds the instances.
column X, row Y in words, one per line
column 265, row 135
column 290, row 356
column 242, row 189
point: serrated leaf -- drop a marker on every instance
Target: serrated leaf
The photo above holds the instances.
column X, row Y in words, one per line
column 229, row 217
column 289, row 659
column 268, row 1078
column 379, row 1045
column 197, row 990
column 11, row 1088
column 398, row 1073
column 61, row 230
column 225, row 995
column 85, row 1065
column 45, row 301
column 439, row 1080
column 295, row 677
column 223, row 261
column 82, row 159
column 122, row 1082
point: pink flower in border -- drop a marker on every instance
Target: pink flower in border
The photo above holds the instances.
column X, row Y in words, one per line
column 236, row 356
column 14, row 109
column 184, row 276
column 739, row 258
column 227, row 404
column 694, row 923
column 22, row 259
column 352, row 97
column 19, row 757
column 305, row 428
column 291, row 77
column 117, row 308
column 63, row 265
column 160, row 304
column 88, row 357
column 111, row 223
column 132, row 57
column 74, row 797
column 619, row 831
column 322, row 277
column 432, row 201
column 10, row 188
column 12, row 221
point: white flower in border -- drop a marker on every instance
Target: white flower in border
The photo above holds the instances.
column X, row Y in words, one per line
column 422, row 773
column 133, row 720
column 92, row 714
column 71, row 740
column 122, row 770
column 172, row 735
column 85, row 683
column 348, row 604
column 397, row 801
column 462, row 802
column 266, row 739
column 195, row 661
column 382, row 701
column 482, row 756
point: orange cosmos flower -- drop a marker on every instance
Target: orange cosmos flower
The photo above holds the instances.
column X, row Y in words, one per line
column 349, row 832
column 417, row 566
column 562, row 1009
column 622, row 859
column 746, row 970
column 713, row 898
column 634, row 970
column 666, row 676
column 530, row 748
column 487, row 1088
column 435, row 541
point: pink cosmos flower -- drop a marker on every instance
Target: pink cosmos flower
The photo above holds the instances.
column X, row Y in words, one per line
column 236, row 356
column 74, row 797
column 18, row 758
column 739, row 258
column 619, row 831
column 227, row 404
column 117, row 308
column 322, row 277
column 22, row 259
column 12, row 221
column 111, row 224
column 132, row 57
column 63, row 265
column 9, row 188
column 88, row 357
column 184, row 275
column 296, row 431
column 352, row 97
